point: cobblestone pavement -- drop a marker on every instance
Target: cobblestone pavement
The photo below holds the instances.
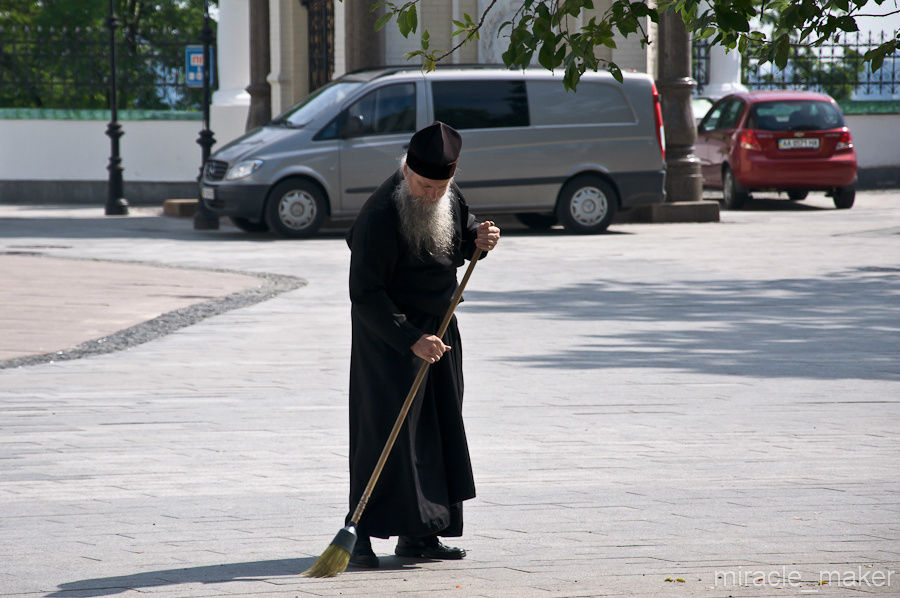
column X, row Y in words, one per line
column 665, row 410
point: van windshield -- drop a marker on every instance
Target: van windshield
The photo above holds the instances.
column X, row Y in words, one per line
column 301, row 113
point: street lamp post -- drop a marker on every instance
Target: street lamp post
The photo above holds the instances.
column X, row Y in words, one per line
column 116, row 205
column 683, row 179
column 204, row 218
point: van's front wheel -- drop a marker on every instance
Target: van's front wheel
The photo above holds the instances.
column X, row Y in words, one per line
column 296, row 208
column 586, row 205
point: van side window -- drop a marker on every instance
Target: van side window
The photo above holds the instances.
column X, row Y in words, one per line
column 480, row 104
column 595, row 103
column 384, row 111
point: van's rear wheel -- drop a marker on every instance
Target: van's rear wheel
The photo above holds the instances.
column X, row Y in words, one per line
column 586, row 205
column 296, row 208
column 536, row 221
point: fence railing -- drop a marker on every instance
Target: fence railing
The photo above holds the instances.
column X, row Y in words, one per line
column 43, row 67
column 834, row 68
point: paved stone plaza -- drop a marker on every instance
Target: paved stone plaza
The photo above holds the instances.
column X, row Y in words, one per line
column 667, row 410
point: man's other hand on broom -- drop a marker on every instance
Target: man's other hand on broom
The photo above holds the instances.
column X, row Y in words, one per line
column 488, row 236
column 430, row 348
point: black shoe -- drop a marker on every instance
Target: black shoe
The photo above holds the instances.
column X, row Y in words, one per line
column 428, row 547
column 363, row 555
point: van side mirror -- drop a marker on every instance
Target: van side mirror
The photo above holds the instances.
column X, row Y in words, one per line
column 351, row 126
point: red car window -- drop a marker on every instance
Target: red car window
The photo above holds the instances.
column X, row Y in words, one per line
column 795, row 115
column 731, row 114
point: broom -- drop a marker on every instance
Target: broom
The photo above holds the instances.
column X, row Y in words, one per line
column 336, row 557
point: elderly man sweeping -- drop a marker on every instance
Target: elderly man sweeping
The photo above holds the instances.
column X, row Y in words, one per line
column 406, row 245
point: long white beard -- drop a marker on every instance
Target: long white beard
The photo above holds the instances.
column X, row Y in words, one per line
column 426, row 226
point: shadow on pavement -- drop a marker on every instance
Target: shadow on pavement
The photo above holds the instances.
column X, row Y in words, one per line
column 774, row 204
column 844, row 325
column 210, row 574
column 181, row 229
column 102, row 227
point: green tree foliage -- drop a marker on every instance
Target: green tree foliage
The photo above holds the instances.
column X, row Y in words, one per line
column 549, row 29
column 55, row 53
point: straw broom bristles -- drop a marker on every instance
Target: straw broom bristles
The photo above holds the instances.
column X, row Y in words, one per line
column 336, row 557
column 332, row 562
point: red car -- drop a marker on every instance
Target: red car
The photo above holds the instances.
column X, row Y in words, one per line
column 792, row 141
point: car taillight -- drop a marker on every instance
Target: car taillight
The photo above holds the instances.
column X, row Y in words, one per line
column 845, row 142
column 660, row 131
column 748, row 141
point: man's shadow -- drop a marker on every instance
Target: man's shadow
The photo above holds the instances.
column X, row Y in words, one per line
column 210, row 574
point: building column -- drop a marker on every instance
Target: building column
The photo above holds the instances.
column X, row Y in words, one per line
column 230, row 103
column 289, row 53
column 260, row 65
column 724, row 73
column 363, row 46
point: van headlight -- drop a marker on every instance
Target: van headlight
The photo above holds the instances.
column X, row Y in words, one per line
column 243, row 169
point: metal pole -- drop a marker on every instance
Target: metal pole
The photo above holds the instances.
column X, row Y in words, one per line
column 683, row 179
column 116, row 205
column 204, row 218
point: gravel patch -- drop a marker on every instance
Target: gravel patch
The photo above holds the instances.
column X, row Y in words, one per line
column 273, row 284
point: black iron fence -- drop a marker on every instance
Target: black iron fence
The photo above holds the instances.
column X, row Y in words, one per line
column 69, row 68
column 834, row 68
column 700, row 63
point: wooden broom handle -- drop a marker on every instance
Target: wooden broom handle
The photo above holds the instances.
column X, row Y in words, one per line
column 401, row 417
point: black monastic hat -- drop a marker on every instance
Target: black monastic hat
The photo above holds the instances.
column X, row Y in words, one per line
column 434, row 151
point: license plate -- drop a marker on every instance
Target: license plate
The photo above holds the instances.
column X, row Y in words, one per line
column 798, row 143
column 208, row 193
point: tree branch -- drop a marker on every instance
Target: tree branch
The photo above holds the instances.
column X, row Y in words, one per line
column 471, row 33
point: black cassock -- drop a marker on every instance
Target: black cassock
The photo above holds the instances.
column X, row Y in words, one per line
column 396, row 298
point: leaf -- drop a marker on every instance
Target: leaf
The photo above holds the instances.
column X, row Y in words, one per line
column 383, row 20
column 403, row 23
column 615, row 71
column 413, row 18
column 733, row 20
column 640, row 9
column 847, row 23
column 546, row 57
column 782, row 50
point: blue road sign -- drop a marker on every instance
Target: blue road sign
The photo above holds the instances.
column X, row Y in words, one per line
column 193, row 66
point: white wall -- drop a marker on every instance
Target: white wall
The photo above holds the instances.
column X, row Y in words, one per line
column 875, row 138
column 167, row 151
column 78, row 150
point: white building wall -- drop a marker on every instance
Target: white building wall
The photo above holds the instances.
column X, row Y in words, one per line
column 78, row 150
column 875, row 138
column 167, row 151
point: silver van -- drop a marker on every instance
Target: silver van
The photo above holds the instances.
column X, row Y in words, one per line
column 529, row 148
